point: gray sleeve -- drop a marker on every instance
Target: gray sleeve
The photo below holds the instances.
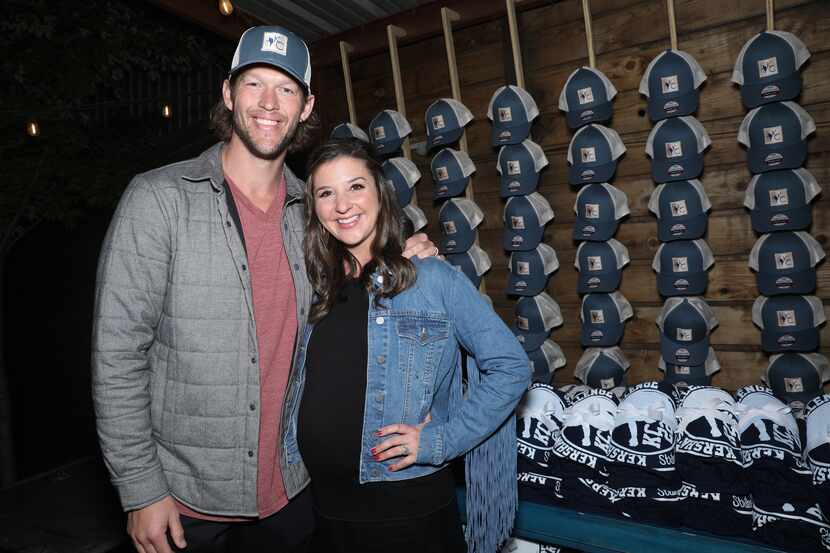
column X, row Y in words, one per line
column 131, row 284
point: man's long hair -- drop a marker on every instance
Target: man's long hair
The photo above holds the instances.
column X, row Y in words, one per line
column 329, row 263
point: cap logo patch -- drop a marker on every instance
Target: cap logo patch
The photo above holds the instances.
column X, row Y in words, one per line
column 588, row 155
column 594, row 263
column 773, row 159
column 522, row 323
column 779, row 219
column 678, row 230
column 671, row 106
column 505, row 115
column 597, row 316
column 586, row 95
column 523, row 268
column 449, row 227
column 681, row 354
column 768, row 67
column 773, row 135
column 442, row 173
column 669, row 84
column 684, row 335
column 793, row 385
column 606, row 383
column 593, row 282
column 517, row 241
column 438, row 122
column 779, row 197
column 275, row 42
column 517, row 222
column 379, row 133
column 678, row 208
column 514, row 167
column 786, row 317
column 770, row 91
column 520, row 285
column 784, row 260
column 682, row 369
column 681, row 284
column 592, row 211
column 514, row 185
column 676, row 170
column 680, row 264
column 674, row 149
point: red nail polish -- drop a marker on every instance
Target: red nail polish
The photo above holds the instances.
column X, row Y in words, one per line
column 374, row 451
column 377, row 432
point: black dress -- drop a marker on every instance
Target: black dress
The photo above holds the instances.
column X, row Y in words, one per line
column 418, row 515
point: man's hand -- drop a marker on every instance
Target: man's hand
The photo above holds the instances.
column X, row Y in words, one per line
column 419, row 245
column 148, row 527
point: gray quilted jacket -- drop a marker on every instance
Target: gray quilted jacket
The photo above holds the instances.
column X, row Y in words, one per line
column 175, row 366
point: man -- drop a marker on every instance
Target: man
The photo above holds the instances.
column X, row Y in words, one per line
column 201, row 289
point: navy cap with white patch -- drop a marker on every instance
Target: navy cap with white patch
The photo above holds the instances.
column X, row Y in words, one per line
column 599, row 208
column 797, row 378
column 681, row 267
column 685, row 324
column 511, row 110
column 603, row 319
column 780, row 200
column 676, row 148
column 277, row 47
column 388, row 130
column 451, row 170
column 586, row 97
column 545, row 360
column 518, row 166
column 690, row 375
column 788, row 323
column 458, row 218
column 593, row 154
column 529, row 270
column 600, row 266
column 775, row 136
column 785, row 262
column 445, row 120
column 767, row 68
column 525, row 218
column 681, row 208
column 402, row 175
column 473, row 263
column 670, row 83
column 602, row 368
column 536, row 316
column 347, row 130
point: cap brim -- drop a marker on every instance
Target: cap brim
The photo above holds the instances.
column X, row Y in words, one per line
column 677, row 170
column 523, row 240
column 584, row 174
column 284, row 68
column 773, row 90
column 607, row 281
column 509, row 186
column 449, row 189
column 592, row 231
column 457, row 243
column 530, row 340
column 684, row 353
column 663, row 107
column 604, row 336
column 795, row 282
column 799, row 340
column 443, row 138
column 762, row 159
column 676, row 228
column 600, row 113
column 691, row 284
column 502, row 134
column 764, row 220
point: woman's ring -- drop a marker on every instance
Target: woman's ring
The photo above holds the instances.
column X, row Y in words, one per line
column 405, row 450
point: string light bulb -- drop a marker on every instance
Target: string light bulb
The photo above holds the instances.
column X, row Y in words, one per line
column 33, row 128
column 225, row 7
column 167, row 111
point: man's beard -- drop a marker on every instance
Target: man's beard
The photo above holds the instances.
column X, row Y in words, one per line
column 270, row 154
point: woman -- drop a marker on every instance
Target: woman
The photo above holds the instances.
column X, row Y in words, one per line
column 382, row 410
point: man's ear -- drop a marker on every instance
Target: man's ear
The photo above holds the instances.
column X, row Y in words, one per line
column 307, row 109
column 227, row 94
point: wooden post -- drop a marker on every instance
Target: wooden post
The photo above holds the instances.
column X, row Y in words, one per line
column 345, row 50
column 589, row 33
column 672, row 24
column 770, row 15
column 393, row 33
column 514, row 43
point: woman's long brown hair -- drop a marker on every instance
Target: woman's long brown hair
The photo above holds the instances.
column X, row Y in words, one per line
column 326, row 258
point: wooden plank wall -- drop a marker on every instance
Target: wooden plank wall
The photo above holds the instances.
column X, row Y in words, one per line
column 627, row 35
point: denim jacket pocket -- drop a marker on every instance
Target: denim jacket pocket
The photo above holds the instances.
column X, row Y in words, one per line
column 421, row 342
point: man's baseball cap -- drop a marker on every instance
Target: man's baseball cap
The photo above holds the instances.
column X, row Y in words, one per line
column 511, row 110
column 685, row 324
column 593, row 154
column 458, row 218
column 545, row 360
column 277, row 47
column 388, row 130
column 681, row 267
column 676, row 147
column 780, row 200
column 775, row 136
column 797, row 378
column 402, row 175
column 788, row 323
column 529, row 270
column 525, row 218
column 473, row 263
column 786, row 262
column 603, row 319
column 767, row 68
column 586, row 97
column 347, row 130
column 599, row 208
column 670, row 83
column 690, row 375
column 535, row 317
column 600, row 266
column 451, row 170
column 416, row 216
column 445, row 120
column 602, row 368
column 518, row 166
column 681, row 208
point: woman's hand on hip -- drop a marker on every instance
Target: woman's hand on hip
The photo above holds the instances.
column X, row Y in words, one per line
column 403, row 445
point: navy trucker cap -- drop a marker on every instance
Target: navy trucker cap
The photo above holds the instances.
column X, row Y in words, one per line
column 603, row 319
column 600, row 266
column 788, row 323
column 775, row 136
column 529, row 270
column 586, row 97
column 602, row 368
column 518, row 166
column 685, row 324
column 681, row 267
column 593, row 154
column 277, row 47
column 512, row 111
column 676, row 147
column 458, row 218
column 797, row 378
column 545, row 360
column 347, row 130
column 388, row 130
column 681, row 208
column 402, row 175
column 445, row 120
column 473, row 263
column 451, row 170
column 416, row 216
column 690, row 375
column 670, row 83
column 599, row 208
column 780, row 200
column 525, row 218
column 785, row 262
column 536, row 316
column 767, row 68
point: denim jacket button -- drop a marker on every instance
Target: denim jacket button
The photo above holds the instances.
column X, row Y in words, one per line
column 379, row 397
column 381, row 359
column 379, row 320
column 375, row 473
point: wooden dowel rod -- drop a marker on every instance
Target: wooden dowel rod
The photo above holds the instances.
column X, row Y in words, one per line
column 589, row 33
column 393, row 33
column 514, row 43
column 447, row 17
column 672, row 24
column 345, row 50
column 770, row 15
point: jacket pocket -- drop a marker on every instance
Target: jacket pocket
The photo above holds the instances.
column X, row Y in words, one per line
column 421, row 342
